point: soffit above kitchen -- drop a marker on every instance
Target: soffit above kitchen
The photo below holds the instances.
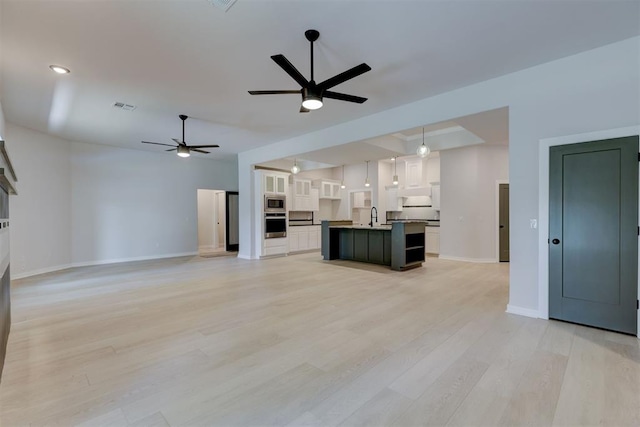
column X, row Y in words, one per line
column 488, row 127
column 188, row 57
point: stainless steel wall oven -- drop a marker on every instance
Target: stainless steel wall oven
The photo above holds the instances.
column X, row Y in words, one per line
column 275, row 225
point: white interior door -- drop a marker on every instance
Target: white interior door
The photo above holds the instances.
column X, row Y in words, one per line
column 220, row 220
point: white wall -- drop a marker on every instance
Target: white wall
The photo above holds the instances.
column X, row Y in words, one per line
column 468, row 206
column 354, row 178
column 41, row 212
column 86, row 204
column 1, row 56
column 590, row 91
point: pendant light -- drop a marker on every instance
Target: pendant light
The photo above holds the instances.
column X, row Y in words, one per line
column 423, row 150
column 395, row 170
column 342, row 182
column 295, row 168
column 366, row 181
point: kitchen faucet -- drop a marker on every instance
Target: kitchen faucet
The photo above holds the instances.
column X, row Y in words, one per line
column 372, row 216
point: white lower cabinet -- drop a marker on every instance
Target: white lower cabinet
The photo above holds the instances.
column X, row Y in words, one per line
column 304, row 238
column 432, row 240
column 314, row 241
column 275, row 246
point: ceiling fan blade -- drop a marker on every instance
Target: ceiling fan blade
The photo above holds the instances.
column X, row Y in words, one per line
column 203, row 146
column 344, row 97
column 273, row 92
column 198, row 150
column 173, row 149
column 178, row 141
column 343, row 77
column 156, row 143
column 290, row 69
column 304, row 110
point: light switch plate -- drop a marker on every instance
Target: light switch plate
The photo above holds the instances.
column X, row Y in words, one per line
column 533, row 223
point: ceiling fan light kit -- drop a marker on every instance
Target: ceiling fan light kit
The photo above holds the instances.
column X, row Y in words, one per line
column 183, row 151
column 313, row 93
column 310, row 100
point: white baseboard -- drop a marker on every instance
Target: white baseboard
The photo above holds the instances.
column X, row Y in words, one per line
column 521, row 311
column 140, row 258
column 40, row 271
column 476, row 260
column 101, row 262
column 242, row 256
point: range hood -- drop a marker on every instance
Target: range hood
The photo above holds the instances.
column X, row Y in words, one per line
column 414, row 192
column 417, row 202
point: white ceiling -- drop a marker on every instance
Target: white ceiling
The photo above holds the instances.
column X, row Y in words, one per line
column 187, row 57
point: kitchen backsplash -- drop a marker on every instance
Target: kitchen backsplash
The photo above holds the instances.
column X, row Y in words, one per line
column 414, row 213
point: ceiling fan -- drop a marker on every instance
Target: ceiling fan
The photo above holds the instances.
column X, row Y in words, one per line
column 182, row 148
column 312, row 93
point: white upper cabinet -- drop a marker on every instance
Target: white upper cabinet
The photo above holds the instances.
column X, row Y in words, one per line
column 302, row 187
column 328, row 189
column 269, row 184
column 275, row 183
column 305, row 198
column 281, row 185
column 361, row 200
column 413, row 173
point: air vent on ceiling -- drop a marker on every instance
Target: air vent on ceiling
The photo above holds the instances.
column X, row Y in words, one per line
column 222, row 4
column 123, row 106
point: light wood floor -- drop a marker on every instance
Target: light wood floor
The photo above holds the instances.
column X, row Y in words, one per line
column 300, row 342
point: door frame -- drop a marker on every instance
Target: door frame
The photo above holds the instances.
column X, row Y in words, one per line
column 228, row 247
column 543, row 205
column 497, row 223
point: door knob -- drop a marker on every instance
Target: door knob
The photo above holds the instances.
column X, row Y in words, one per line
column 555, row 241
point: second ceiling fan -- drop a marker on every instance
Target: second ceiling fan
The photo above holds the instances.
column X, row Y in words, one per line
column 312, row 92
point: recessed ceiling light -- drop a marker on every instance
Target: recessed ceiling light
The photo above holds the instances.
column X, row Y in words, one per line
column 60, row 70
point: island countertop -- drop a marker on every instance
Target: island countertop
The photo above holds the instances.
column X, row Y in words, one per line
column 387, row 226
column 363, row 227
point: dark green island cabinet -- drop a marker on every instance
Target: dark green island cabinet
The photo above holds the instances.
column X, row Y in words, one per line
column 400, row 245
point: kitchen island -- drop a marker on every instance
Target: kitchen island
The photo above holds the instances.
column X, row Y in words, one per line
column 399, row 245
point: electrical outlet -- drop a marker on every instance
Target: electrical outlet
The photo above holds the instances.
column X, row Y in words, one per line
column 533, row 223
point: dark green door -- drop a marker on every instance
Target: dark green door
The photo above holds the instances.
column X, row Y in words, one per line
column 503, row 219
column 593, row 233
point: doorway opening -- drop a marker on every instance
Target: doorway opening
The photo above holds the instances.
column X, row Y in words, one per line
column 213, row 219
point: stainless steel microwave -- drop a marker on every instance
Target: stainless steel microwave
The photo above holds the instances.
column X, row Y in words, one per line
column 276, row 204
